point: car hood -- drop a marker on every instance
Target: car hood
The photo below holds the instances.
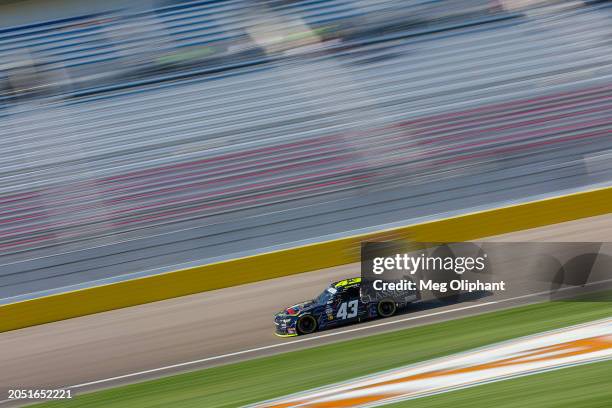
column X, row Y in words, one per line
column 296, row 310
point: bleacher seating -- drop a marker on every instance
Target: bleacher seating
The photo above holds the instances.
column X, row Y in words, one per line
column 135, row 160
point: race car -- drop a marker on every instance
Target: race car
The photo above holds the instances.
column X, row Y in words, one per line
column 340, row 303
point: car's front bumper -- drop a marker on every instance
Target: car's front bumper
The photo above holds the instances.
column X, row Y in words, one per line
column 284, row 327
column 285, row 335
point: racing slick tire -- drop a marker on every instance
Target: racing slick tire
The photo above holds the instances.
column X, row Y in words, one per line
column 386, row 308
column 306, row 324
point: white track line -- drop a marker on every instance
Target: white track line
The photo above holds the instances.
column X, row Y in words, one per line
column 271, row 346
column 311, row 338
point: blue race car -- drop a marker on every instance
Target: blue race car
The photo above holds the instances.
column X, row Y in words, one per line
column 337, row 305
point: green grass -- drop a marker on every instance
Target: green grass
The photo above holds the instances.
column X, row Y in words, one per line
column 259, row 379
column 587, row 386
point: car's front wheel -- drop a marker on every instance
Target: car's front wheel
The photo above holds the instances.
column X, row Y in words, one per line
column 306, row 324
column 386, row 308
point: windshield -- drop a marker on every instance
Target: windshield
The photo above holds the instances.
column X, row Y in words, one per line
column 326, row 295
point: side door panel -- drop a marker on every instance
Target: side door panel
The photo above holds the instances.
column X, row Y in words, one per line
column 349, row 307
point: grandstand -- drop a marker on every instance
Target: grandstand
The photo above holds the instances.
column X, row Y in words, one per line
column 127, row 155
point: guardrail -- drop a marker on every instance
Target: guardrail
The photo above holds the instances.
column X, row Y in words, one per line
column 296, row 260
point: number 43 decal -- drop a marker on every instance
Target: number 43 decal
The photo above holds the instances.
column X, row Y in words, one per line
column 344, row 313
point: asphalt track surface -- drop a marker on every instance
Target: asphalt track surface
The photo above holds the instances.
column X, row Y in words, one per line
column 217, row 327
column 67, row 148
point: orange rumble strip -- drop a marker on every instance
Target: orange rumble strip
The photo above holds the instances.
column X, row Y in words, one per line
column 349, row 402
column 523, row 356
column 571, row 348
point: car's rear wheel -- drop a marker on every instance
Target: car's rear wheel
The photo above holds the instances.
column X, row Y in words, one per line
column 306, row 324
column 386, row 308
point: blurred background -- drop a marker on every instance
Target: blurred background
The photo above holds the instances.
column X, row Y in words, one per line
column 142, row 136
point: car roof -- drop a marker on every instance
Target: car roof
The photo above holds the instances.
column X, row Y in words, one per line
column 346, row 283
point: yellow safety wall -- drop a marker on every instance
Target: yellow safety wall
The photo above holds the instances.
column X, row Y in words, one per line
column 296, row 260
